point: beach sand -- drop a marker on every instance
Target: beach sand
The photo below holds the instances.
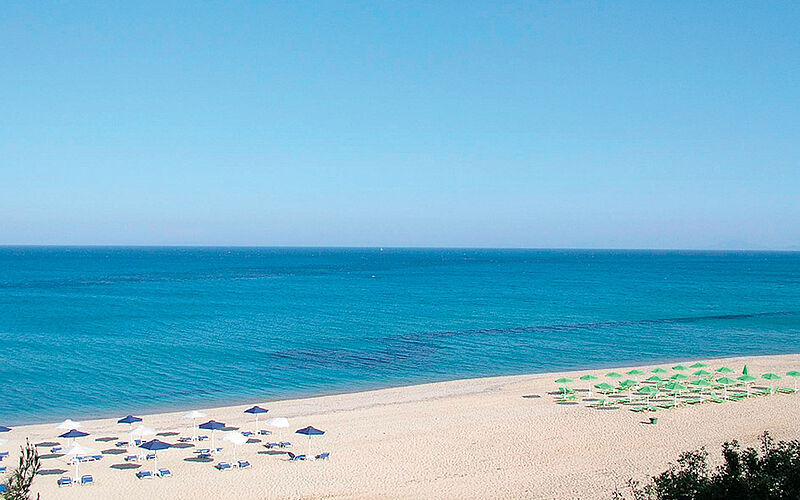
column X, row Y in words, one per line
column 475, row 438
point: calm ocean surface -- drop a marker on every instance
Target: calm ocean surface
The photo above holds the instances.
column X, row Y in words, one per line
column 89, row 332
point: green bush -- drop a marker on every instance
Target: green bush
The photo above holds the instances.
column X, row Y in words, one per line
column 771, row 472
column 21, row 478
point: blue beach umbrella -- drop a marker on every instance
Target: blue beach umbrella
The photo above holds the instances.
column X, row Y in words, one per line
column 74, row 433
column 256, row 410
column 213, row 426
column 130, row 420
column 154, row 446
column 309, row 431
column 3, row 428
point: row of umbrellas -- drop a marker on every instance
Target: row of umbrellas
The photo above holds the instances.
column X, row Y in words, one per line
column 679, row 376
column 236, row 438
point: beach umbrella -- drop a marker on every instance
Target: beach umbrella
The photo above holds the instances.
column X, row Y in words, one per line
column 237, row 438
column 614, row 375
column 309, row 431
column 676, row 388
column 699, row 365
column 679, row 376
column 213, row 426
column 73, row 433
column 636, row 371
column 659, row 370
column 747, row 379
column 702, row 373
column 194, row 415
column 139, row 433
column 588, row 378
column 771, row 377
column 680, row 368
column 703, row 383
column 625, row 384
column 794, row 375
column 75, row 451
column 154, row 446
column 726, row 381
column 130, row 420
column 278, row 423
column 256, row 410
column 564, row 380
column 69, row 424
column 3, row 428
column 745, row 371
column 604, row 388
column 724, row 369
column 648, row 390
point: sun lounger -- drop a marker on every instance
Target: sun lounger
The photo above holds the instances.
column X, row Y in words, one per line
column 2, row 469
column 786, row 390
column 144, row 474
column 202, row 438
column 86, row 479
column 323, row 456
column 56, row 449
column 271, row 445
column 3, row 488
column 164, row 473
column 184, row 439
column 264, row 432
column 295, row 458
column 131, row 458
column 120, row 444
column 243, row 464
column 150, row 456
column 223, row 466
column 204, row 456
column 3, row 454
column 64, row 481
column 284, row 444
column 203, row 450
column 247, row 433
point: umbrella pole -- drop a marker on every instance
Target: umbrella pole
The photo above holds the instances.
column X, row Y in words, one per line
column 309, row 446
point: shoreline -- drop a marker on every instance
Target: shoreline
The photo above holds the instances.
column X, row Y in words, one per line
column 473, row 438
column 235, row 402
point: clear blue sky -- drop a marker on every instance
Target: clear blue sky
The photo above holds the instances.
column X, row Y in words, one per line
column 530, row 124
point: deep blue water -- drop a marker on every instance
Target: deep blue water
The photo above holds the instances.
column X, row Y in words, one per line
column 107, row 331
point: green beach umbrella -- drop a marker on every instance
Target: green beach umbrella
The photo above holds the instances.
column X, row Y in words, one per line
column 655, row 378
column 625, row 384
column 648, row 390
column 605, row 388
column 701, row 382
column 679, row 376
column 680, row 368
column 675, row 388
column 659, row 370
column 795, row 375
column 745, row 371
column 614, row 375
column 771, row 377
column 702, row 373
column 723, row 369
column 636, row 371
column 726, row 381
column 564, row 380
column 699, row 365
column 588, row 378
column 747, row 379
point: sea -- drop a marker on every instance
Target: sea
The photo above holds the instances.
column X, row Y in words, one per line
column 89, row 332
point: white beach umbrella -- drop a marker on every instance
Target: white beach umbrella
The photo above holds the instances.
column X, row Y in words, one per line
column 278, row 423
column 139, row 432
column 237, row 438
column 68, row 425
column 194, row 415
column 76, row 451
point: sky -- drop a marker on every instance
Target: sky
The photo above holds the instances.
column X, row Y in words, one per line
column 463, row 124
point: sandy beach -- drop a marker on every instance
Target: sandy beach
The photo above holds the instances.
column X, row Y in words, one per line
column 476, row 438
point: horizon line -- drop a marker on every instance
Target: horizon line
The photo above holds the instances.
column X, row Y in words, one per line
column 409, row 247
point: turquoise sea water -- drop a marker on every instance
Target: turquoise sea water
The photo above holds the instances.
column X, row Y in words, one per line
column 89, row 332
